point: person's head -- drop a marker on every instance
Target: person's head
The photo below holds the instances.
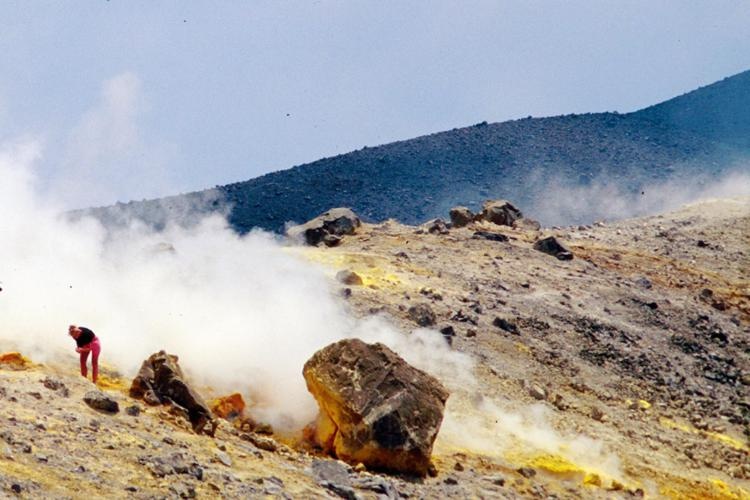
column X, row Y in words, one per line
column 73, row 331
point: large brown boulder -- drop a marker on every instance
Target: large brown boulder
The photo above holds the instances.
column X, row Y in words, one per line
column 327, row 228
column 375, row 408
column 160, row 381
column 500, row 212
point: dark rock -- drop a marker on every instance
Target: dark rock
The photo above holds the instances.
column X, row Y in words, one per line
column 348, row 277
column 500, row 212
column 375, row 407
column 333, row 224
column 551, row 246
column 161, row 378
column 332, row 471
column 487, row 235
column 133, row 410
column 526, row 472
column 436, row 226
column 56, row 385
column 340, row 490
column 448, row 333
column 506, row 325
column 378, row 485
column 16, row 488
column 422, row 315
column 644, row 283
column 461, row 216
column 450, row 480
column 101, row 401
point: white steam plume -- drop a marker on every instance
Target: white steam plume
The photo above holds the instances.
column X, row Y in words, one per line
column 241, row 313
column 560, row 202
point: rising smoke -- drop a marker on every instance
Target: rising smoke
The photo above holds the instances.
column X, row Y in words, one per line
column 558, row 201
column 241, row 312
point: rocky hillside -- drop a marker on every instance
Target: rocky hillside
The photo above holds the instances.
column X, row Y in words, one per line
column 700, row 134
column 622, row 372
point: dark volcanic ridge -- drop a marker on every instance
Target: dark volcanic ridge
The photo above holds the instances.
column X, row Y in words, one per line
column 696, row 138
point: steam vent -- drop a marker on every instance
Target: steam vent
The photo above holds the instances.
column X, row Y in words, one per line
column 374, row 407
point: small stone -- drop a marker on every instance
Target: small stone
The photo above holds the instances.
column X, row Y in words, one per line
column 348, row 277
column 506, row 325
column 450, row 480
column 101, row 401
column 597, row 414
column 16, row 488
column 360, row 467
column 448, row 333
column 422, row 315
column 526, row 472
column 224, row 458
column 458, row 467
column 133, row 410
column 537, row 392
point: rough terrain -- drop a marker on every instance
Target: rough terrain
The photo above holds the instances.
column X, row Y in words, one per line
column 636, row 351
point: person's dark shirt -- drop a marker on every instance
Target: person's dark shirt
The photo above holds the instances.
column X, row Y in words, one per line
column 85, row 337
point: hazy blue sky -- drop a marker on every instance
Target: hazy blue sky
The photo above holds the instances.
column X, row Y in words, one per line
column 129, row 99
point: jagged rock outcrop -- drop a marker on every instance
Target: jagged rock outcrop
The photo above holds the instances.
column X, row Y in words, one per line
column 500, row 212
column 327, row 228
column 374, row 407
column 160, row 381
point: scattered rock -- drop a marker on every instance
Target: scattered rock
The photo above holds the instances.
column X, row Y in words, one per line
column 332, row 471
column 223, row 458
column 644, row 282
column 374, row 407
column 526, row 472
column 537, row 392
column 133, row 410
column 348, row 277
column 487, row 235
column 525, row 224
column 436, row 226
column 551, row 246
column 332, row 225
column 448, row 334
column 422, row 314
column 101, row 401
column 261, row 442
column 161, row 378
column 461, row 216
column 55, row 385
column 505, row 324
column 500, row 212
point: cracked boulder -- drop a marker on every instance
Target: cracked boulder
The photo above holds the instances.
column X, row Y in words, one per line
column 500, row 212
column 160, row 381
column 327, row 228
column 374, row 407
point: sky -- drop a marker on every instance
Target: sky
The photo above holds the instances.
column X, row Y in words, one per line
column 125, row 100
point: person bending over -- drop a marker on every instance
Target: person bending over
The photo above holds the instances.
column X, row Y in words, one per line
column 86, row 342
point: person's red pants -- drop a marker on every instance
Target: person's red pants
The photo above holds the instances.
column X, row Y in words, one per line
column 94, row 348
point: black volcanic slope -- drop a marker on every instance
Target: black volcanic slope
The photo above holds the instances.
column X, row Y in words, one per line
column 699, row 134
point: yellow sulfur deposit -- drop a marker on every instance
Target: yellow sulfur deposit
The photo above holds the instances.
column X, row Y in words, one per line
column 14, row 361
column 716, row 436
